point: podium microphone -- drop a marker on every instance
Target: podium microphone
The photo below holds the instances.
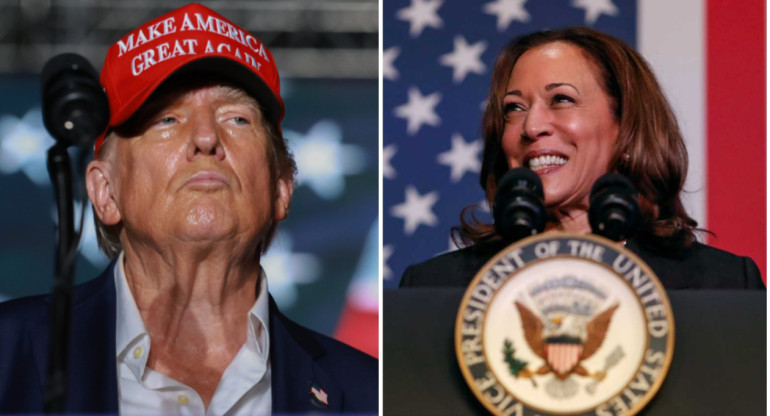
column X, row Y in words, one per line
column 75, row 108
column 614, row 211
column 519, row 208
column 75, row 112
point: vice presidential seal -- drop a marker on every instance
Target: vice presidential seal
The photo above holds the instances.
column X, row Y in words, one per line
column 565, row 324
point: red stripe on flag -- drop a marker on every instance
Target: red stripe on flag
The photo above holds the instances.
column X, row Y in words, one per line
column 735, row 118
column 359, row 329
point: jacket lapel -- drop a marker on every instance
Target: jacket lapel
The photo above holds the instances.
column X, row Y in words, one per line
column 295, row 373
column 93, row 383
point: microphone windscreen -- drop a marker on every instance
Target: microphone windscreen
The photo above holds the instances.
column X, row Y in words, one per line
column 521, row 178
column 519, row 208
column 75, row 107
column 63, row 63
column 613, row 210
column 611, row 180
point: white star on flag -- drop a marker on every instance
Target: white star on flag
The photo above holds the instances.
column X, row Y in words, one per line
column 464, row 58
column 389, row 56
column 23, row 144
column 507, row 11
column 595, row 8
column 421, row 14
column 387, row 251
column 387, row 155
column 462, row 157
column 285, row 269
column 418, row 110
column 416, row 210
column 323, row 159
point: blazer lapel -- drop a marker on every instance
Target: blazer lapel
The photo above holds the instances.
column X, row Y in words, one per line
column 92, row 373
column 299, row 384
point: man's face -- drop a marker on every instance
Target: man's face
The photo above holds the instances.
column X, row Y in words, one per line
column 196, row 171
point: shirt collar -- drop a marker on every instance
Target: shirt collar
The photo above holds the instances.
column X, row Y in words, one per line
column 259, row 322
column 132, row 334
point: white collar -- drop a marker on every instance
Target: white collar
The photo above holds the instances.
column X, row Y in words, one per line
column 130, row 332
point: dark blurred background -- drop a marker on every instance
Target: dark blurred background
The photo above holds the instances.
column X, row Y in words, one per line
column 323, row 266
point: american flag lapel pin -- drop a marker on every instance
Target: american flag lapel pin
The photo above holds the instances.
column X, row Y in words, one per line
column 319, row 394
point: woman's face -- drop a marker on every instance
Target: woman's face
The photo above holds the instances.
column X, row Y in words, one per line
column 559, row 122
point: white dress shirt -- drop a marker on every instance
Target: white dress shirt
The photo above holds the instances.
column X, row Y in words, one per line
column 244, row 387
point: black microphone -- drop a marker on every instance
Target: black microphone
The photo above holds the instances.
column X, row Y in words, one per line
column 75, row 107
column 614, row 210
column 519, row 205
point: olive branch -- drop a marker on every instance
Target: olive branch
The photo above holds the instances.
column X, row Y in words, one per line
column 514, row 364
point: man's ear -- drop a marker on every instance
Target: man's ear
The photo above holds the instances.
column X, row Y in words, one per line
column 283, row 199
column 100, row 191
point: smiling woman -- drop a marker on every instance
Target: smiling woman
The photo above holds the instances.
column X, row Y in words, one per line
column 559, row 123
column 612, row 116
column 572, row 105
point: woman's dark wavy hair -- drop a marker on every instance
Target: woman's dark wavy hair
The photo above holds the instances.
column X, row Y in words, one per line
column 648, row 133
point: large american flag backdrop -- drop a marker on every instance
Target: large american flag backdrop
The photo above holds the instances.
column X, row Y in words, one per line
column 437, row 59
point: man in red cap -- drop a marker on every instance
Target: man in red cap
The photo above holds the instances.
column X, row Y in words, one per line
column 189, row 181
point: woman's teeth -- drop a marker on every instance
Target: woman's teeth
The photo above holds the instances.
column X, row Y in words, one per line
column 542, row 162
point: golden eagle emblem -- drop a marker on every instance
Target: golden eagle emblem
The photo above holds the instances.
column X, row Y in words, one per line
column 563, row 341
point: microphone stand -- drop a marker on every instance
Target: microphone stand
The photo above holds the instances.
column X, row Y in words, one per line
column 75, row 111
column 60, row 172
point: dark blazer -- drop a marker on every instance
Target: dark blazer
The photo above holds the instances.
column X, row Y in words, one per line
column 700, row 267
column 299, row 358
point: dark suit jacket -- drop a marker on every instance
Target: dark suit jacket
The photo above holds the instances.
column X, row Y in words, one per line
column 700, row 267
column 299, row 358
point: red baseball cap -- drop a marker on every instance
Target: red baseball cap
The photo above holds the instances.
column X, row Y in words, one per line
column 191, row 38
